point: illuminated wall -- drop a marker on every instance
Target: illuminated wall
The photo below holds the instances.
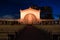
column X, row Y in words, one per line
column 28, row 15
column 30, row 10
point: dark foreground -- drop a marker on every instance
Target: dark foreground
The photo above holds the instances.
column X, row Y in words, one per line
column 32, row 33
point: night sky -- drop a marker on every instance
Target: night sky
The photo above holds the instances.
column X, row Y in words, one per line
column 10, row 8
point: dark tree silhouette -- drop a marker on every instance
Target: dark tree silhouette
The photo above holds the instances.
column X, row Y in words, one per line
column 35, row 7
column 46, row 12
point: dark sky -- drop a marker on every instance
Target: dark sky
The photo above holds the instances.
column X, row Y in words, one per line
column 10, row 8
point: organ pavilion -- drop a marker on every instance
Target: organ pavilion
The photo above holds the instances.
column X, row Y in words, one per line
column 30, row 16
column 9, row 28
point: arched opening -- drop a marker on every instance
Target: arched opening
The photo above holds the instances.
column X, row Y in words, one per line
column 30, row 19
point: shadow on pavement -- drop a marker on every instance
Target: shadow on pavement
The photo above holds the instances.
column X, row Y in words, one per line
column 32, row 33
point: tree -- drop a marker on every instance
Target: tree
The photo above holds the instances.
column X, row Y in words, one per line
column 46, row 12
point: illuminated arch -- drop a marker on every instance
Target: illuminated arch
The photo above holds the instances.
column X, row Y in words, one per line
column 30, row 19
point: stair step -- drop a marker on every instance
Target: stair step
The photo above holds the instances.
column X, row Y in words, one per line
column 3, row 36
column 3, row 39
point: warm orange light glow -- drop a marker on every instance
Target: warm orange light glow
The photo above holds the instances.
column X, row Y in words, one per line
column 29, row 16
column 30, row 10
column 30, row 19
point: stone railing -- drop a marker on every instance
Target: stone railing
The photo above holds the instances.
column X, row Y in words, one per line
column 42, row 22
column 49, row 22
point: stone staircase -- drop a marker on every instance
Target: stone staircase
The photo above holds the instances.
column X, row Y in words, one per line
column 3, row 36
column 7, row 31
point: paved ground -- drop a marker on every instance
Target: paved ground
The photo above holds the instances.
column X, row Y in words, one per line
column 32, row 33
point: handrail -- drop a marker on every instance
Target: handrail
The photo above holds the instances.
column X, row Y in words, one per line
column 15, row 22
